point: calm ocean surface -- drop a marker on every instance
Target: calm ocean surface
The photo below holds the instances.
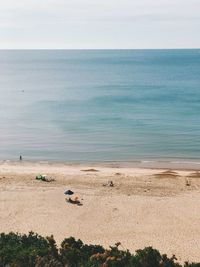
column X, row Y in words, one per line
column 103, row 105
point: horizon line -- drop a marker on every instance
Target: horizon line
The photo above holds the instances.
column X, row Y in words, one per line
column 175, row 48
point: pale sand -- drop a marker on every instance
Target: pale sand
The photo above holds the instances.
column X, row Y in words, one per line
column 142, row 209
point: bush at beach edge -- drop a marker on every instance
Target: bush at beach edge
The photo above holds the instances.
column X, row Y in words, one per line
column 33, row 250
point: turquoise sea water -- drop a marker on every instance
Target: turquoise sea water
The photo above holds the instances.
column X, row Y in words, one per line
column 100, row 105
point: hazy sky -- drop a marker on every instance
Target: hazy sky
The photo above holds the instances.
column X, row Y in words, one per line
column 99, row 23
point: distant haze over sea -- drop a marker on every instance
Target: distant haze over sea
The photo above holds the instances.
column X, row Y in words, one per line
column 100, row 105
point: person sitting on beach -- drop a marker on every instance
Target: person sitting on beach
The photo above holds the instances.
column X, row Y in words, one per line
column 109, row 183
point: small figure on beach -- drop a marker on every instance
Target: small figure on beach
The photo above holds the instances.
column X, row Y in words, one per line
column 74, row 201
column 44, row 178
column 109, row 183
column 20, row 157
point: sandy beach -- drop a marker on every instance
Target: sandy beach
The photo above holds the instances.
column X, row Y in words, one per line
column 146, row 207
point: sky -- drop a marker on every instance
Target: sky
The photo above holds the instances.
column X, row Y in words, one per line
column 99, row 24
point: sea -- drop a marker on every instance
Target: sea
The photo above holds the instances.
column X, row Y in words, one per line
column 100, row 105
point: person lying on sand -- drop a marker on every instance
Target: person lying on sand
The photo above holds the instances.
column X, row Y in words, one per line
column 74, row 201
column 44, row 178
column 48, row 179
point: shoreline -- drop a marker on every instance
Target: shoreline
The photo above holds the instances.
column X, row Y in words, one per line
column 182, row 165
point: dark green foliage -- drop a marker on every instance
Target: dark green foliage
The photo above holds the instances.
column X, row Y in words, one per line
column 112, row 258
column 22, row 250
column 75, row 253
column 33, row 250
column 149, row 257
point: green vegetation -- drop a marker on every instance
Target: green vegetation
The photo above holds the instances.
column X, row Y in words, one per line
column 33, row 250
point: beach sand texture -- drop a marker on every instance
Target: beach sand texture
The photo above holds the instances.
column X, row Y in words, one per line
column 146, row 207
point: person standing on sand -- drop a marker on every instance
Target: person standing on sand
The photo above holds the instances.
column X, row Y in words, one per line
column 20, row 158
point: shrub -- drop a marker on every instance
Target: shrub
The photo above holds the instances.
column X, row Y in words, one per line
column 149, row 257
column 32, row 250
column 23, row 250
column 74, row 253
